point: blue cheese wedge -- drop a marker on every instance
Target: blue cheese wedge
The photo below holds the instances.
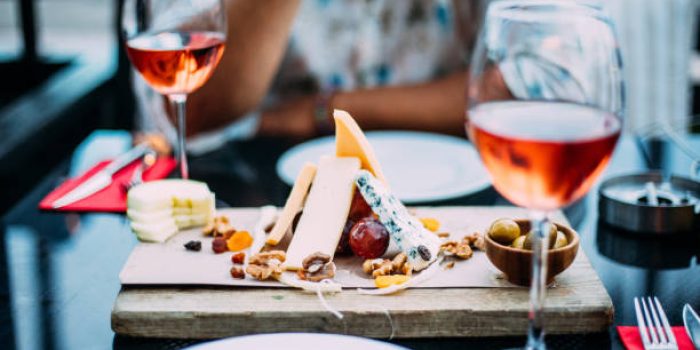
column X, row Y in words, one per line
column 407, row 232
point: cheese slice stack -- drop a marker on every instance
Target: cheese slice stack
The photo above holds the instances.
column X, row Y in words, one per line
column 159, row 209
column 327, row 204
column 326, row 210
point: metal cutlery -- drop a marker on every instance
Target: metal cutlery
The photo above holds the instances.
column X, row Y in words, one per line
column 102, row 178
column 654, row 329
column 146, row 162
column 692, row 325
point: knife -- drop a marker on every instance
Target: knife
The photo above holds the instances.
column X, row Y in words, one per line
column 692, row 325
column 102, row 178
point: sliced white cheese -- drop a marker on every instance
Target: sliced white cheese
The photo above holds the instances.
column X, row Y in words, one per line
column 157, row 208
column 155, row 232
column 149, row 216
column 294, row 203
column 169, row 193
column 187, row 221
column 325, row 211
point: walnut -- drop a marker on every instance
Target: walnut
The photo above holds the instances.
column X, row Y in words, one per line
column 265, row 257
column 476, row 241
column 407, row 269
column 264, row 265
column 398, row 262
column 316, row 267
column 461, row 249
column 371, row 264
column 219, row 226
column 386, row 267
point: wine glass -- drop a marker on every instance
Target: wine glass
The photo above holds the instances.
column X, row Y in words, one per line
column 175, row 45
column 545, row 103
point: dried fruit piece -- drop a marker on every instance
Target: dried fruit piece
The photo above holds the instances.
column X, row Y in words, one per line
column 443, row 234
column 237, row 272
column 386, row 281
column 238, row 258
column 218, row 245
column 431, row 224
column 193, row 246
column 239, row 241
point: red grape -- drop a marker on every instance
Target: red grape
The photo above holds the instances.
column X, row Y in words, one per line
column 359, row 207
column 369, row 238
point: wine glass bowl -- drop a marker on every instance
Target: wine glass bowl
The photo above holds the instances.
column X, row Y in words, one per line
column 175, row 45
column 545, row 104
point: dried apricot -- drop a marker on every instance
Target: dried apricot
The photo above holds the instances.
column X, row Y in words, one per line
column 239, row 241
column 386, row 281
column 430, row 224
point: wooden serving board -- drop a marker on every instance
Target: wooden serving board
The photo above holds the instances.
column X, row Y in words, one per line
column 578, row 303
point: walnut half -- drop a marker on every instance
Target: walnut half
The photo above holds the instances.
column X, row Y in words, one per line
column 264, row 265
column 385, row 267
column 316, row 267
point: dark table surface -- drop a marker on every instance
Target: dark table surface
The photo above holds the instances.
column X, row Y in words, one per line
column 59, row 272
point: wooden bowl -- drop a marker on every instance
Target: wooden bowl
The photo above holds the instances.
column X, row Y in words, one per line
column 516, row 263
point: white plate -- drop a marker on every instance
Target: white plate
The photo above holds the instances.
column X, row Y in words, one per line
column 420, row 166
column 297, row 341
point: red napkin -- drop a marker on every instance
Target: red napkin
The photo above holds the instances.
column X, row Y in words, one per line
column 633, row 341
column 111, row 199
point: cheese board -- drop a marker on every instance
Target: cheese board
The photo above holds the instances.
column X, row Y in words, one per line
column 576, row 303
column 343, row 255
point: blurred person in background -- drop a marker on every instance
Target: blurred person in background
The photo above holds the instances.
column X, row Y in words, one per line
column 288, row 63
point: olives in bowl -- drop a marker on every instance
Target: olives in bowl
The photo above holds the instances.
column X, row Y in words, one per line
column 514, row 258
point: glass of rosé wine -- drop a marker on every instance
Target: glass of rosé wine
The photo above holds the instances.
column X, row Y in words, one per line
column 175, row 45
column 545, row 105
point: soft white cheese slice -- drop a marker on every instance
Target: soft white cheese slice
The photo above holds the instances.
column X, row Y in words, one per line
column 326, row 210
column 169, row 193
column 149, row 216
column 157, row 208
column 156, row 231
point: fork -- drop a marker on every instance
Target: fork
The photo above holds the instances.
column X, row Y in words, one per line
column 653, row 325
column 137, row 177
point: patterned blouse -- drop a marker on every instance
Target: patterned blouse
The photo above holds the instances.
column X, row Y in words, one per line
column 340, row 45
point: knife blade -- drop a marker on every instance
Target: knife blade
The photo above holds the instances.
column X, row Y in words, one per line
column 102, row 178
column 692, row 325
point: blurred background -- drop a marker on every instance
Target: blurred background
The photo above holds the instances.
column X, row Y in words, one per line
column 63, row 75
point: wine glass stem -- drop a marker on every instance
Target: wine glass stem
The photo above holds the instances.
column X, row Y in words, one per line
column 180, row 101
column 540, row 244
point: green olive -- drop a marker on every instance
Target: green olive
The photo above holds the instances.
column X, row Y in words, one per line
column 552, row 237
column 518, row 242
column 504, row 231
column 561, row 240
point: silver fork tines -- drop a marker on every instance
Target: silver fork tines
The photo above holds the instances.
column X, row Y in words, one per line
column 653, row 325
